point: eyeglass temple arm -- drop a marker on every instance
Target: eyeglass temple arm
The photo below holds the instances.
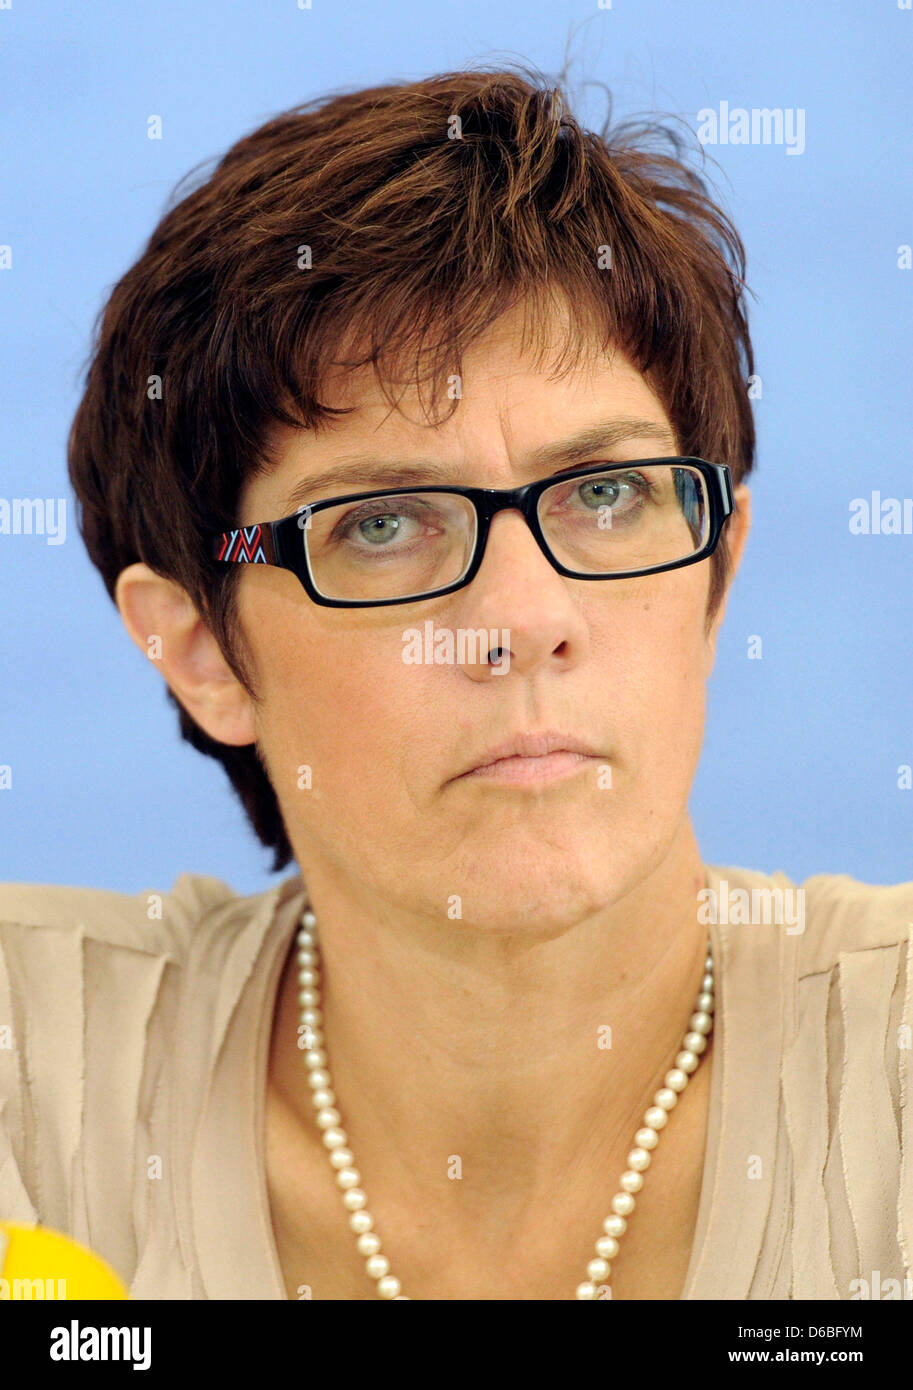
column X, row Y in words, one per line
column 724, row 473
column 253, row 545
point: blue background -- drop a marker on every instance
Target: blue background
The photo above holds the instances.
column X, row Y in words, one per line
column 799, row 770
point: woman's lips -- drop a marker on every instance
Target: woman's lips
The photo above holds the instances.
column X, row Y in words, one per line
column 548, row 767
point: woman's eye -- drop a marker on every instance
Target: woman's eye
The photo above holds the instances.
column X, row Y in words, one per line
column 383, row 527
column 384, row 530
column 611, row 491
column 601, row 493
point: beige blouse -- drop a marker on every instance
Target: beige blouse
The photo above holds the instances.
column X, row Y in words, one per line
column 134, row 1038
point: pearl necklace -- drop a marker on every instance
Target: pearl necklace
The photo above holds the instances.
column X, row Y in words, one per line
column 348, row 1177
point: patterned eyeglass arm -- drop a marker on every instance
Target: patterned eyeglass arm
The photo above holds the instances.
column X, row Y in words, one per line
column 252, row 545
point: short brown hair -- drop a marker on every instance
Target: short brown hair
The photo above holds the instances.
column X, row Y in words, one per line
column 429, row 209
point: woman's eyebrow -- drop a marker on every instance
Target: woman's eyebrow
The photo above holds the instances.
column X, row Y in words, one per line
column 358, row 472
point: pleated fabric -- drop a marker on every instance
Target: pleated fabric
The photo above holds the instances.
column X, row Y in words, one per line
column 808, row 1177
column 134, row 1044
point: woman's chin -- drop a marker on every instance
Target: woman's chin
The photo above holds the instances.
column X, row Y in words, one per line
column 539, row 903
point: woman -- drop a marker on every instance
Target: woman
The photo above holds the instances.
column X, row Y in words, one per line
column 505, row 1035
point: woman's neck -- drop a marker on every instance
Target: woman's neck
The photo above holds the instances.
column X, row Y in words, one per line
column 515, row 1061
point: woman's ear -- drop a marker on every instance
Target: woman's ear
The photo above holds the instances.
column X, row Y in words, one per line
column 737, row 527
column 163, row 622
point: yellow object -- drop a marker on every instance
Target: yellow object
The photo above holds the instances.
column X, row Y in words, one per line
column 38, row 1263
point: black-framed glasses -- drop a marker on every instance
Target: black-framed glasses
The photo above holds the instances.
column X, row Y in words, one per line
column 399, row 545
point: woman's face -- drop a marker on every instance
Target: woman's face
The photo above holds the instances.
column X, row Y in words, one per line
column 368, row 752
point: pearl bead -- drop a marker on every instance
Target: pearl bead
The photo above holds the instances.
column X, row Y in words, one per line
column 319, row 1080
column 701, row 1022
column 607, row 1247
column 586, row 1290
column 615, row 1225
column 631, row 1181
column 666, row 1098
column 328, row 1118
column 323, row 1099
column 361, row 1221
column 314, row 1058
column 389, row 1286
column 368, row 1244
column 305, row 938
column 334, row 1138
column 307, row 998
column 638, row 1159
column 705, row 1002
column 707, row 983
column 348, row 1177
column 695, row 1042
column 306, row 956
column 598, row 1270
column 307, row 978
column 676, row 1079
column 686, row 1061
column 354, row 1199
column 623, row 1203
column 656, row 1118
column 377, row 1266
column 646, row 1138
column 311, row 1018
column 308, row 917
column 342, row 1158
